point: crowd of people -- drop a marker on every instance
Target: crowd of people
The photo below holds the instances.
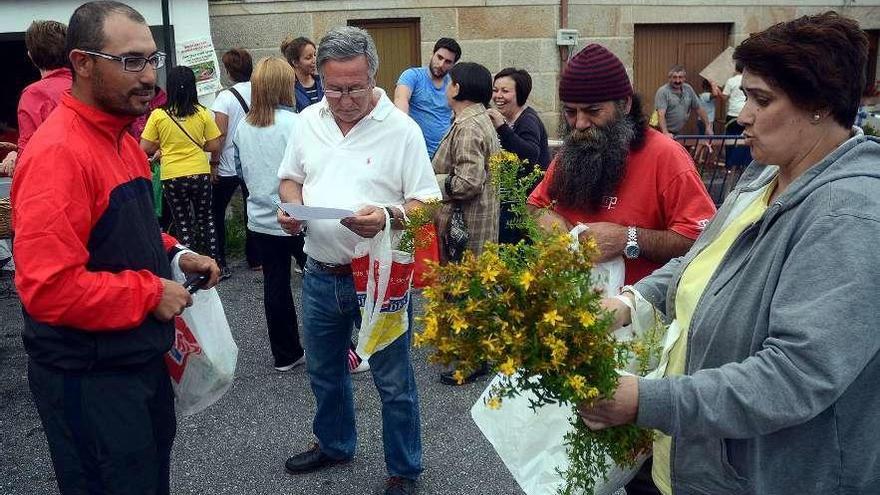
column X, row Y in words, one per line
column 767, row 389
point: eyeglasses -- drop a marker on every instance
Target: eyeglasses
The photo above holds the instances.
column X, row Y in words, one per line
column 334, row 94
column 133, row 63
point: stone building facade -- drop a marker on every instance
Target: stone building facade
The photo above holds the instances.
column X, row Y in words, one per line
column 521, row 33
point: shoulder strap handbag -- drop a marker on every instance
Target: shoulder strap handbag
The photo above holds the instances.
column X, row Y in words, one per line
column 457, row 235
column 182, row 129
column 244, row 105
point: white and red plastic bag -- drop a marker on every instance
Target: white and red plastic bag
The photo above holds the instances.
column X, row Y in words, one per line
column 201, row 363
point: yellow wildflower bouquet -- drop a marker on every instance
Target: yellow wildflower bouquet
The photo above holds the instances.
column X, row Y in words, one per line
column 531, row 311
column 414, row 236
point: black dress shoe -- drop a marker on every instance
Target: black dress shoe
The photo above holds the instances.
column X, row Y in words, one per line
column 311, row 460
column 396, row 485
column 447, row 378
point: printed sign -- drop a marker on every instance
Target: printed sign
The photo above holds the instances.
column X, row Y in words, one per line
column 199, row 55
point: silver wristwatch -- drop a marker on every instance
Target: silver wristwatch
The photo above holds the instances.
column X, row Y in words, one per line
column 631, row 250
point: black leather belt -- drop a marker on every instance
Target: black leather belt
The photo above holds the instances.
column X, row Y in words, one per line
column 331, row 268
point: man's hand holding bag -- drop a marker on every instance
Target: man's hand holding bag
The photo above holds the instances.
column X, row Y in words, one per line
column 202, row 360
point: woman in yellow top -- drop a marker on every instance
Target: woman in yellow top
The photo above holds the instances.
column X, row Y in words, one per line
column 772, row 385
column 183, row 130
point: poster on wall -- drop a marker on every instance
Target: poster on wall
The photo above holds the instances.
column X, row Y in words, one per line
column 199, row 55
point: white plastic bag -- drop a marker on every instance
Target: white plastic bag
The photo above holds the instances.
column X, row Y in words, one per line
column 609, row 275
column 202, row 361
column 383, row 280
column 531, row 443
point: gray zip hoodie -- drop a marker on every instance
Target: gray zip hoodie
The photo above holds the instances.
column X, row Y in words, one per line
column 781, row 393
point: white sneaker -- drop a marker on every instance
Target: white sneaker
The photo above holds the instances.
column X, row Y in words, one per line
column 299, row 362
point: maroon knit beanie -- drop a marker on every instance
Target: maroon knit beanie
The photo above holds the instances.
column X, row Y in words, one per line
column 594, row 75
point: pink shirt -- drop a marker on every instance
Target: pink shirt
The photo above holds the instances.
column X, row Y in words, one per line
column 38, row 100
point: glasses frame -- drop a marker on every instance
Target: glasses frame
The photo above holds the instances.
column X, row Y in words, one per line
column 335, row 94
column 156, row 60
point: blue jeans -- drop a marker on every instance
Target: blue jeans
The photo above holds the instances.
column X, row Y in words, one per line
column 330, row 313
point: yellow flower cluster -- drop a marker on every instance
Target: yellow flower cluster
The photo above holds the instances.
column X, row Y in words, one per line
column 579, row 384
column 531, row 311
column 508, row 367
column 501, row 162
column 529, row 308
column 414, row 235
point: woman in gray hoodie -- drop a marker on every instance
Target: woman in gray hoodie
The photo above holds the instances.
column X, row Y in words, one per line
column 773, row 386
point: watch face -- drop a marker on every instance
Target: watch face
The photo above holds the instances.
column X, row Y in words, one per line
column 631, row 251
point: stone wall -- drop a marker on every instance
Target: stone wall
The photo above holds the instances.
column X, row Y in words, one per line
column 495, row 36
column 502, row 33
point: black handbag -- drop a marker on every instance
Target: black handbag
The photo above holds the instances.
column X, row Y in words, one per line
column 457, row 235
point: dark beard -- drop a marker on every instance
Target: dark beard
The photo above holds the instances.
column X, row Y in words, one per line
column 437, row 72
column 592, row 163
column 115, row 103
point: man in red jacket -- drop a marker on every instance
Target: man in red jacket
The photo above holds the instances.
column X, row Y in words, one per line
column 93, row 268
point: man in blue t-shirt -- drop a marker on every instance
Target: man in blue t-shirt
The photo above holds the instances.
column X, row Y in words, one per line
column 421, row 92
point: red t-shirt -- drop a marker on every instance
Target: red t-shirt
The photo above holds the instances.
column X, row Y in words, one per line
column 37, row 102
column 660, row 190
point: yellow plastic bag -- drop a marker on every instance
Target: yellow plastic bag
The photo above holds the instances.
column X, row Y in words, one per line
column 654, row 121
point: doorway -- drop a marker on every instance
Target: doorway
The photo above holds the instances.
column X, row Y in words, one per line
column 398, row 43
column 660, row 46
column 18, row 73
column 871, row 69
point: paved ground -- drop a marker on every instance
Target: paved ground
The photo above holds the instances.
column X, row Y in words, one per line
column 238, row 445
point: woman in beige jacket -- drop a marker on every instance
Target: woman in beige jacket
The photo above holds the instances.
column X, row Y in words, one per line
column 462, row 159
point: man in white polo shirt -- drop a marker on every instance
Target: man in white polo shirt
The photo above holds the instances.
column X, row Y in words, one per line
column 353, row 150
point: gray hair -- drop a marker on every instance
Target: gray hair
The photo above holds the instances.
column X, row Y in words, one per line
column 677, row 68
column 346, row 43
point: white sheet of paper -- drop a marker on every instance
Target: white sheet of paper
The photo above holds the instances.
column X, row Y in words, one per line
column 301, row 212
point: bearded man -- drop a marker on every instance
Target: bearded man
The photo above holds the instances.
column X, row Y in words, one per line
column 635, row 189
column 421, row 92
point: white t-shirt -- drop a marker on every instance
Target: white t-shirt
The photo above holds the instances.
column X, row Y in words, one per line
column 736, row 99
column 227, row 103
column 259, row 150
column 382, row 161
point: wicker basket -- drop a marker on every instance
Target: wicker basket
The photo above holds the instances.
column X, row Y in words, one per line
column 5, row 218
